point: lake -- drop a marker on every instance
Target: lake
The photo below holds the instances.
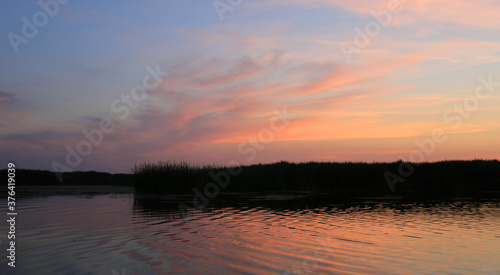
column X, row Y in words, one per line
column 107, row 230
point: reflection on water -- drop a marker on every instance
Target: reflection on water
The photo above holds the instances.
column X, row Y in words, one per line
column 102, row 231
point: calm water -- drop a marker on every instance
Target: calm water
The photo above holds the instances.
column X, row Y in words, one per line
column 92, row 231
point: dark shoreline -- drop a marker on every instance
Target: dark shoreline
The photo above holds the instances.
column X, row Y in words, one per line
column 28, row 177
column 439, row 179
column 355, row 179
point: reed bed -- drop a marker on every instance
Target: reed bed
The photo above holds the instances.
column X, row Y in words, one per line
column 445, row 177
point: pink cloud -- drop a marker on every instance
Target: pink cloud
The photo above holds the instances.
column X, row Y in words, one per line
column 479, row 14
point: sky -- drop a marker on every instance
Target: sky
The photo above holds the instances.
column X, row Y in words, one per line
column 102, row 85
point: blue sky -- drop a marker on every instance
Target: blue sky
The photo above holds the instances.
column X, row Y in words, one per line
column 224, row 79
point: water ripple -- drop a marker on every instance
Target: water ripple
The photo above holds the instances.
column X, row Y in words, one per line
column 99, row 233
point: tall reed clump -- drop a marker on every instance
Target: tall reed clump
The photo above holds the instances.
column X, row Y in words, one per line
column 169, row 176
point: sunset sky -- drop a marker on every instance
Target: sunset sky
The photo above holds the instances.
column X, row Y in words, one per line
column 207, row 81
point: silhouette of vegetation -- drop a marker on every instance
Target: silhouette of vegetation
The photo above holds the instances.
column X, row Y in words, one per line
column 41, row 177
column 356, row 178
column 170, row 176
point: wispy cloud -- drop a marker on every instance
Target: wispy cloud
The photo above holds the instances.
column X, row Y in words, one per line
column 226, row 78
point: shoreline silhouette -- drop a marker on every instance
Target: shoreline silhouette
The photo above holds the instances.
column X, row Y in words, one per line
column 460, row 177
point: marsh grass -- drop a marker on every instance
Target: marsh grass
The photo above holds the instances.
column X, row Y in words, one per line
column 170, row 176
column 445, row 177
